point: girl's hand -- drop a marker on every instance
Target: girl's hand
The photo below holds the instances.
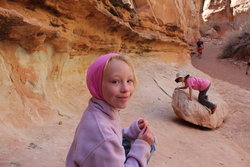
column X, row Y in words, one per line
column 147, row 135
column 190, row 98
column 177, row 88
column 142, row 123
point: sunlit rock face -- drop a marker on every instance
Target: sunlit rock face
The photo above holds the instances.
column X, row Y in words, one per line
column 180, row 17
column 89, row 25
column 241, row 12
column 37, row 87
column 225, row 15
column 46, row 47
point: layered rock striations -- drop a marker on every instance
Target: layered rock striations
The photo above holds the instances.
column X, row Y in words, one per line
column 224, row 16
column 46, row 46
column 102, row 25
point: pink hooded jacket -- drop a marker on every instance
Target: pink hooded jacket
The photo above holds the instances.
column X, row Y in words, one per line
column 98, row 137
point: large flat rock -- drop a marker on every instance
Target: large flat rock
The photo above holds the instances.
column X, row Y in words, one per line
column 196, row 113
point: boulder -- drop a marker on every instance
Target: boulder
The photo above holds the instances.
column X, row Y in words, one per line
column 196, row 113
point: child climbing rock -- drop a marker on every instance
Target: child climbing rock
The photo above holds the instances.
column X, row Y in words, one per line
column 200, row 84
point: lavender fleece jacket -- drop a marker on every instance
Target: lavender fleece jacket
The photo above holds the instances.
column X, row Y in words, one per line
column 98, row 140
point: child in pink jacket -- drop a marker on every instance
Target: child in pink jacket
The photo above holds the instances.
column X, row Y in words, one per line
column 98, row 137
column 200, row 84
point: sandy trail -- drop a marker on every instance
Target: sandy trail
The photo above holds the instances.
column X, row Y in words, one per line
column 234, row 86
column 221, row 69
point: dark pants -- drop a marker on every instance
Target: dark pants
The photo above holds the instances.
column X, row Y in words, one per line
column 202, row 99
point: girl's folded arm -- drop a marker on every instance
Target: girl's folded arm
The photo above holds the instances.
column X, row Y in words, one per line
column 132, row 131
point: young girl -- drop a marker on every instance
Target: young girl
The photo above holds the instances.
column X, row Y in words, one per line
column 199, row 84
column 98, row 137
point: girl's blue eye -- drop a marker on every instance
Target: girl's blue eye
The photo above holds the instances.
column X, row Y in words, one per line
column 115, row 82
column 130, row 81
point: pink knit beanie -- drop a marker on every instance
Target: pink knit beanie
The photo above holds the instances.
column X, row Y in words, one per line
column 95, row 74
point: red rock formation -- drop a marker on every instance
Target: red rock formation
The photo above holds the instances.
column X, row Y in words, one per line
column 45, row 49
column 149, row 23
column 76, row 30
column 224, row 16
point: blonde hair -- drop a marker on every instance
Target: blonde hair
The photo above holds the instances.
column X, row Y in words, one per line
column 125, row 59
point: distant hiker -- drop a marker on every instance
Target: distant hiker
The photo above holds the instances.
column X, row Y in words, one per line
column 200, row 84
column 99, row 139
column 248, row 65
column 200, row 48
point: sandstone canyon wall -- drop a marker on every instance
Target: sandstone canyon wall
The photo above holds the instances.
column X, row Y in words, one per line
column 222, row 16
column 46, row 46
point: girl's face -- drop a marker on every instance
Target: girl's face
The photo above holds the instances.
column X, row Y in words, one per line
column 181, row 79
column 118, row 83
